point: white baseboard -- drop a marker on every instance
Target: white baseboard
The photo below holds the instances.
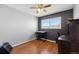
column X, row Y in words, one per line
column 51, row 41
column 31, row 40
column 23, row 42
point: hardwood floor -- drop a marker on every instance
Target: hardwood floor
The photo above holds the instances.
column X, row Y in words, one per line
column 36, row 47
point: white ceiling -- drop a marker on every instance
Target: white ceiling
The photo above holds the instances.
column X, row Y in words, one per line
column 50, row 10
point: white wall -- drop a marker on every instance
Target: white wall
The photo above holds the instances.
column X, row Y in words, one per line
column 76, row 11
column 16, row 26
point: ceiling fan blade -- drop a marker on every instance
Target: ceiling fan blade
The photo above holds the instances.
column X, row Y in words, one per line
column 47, row 6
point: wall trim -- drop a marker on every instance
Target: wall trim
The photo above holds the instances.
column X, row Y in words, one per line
column 31, row 40
column 22, row 42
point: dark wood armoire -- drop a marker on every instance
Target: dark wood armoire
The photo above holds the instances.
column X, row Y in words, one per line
column 74, row 35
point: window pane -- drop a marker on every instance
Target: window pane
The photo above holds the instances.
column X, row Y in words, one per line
column 51, row 23
column 55, row 23
column 45, row 23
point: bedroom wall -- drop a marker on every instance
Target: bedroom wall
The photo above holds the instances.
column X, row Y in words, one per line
column 65, row 15
column 76, row 11
column 16, row 27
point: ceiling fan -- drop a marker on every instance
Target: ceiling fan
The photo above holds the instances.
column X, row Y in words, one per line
column 40, row 7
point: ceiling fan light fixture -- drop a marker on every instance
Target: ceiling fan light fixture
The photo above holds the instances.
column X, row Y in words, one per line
column 41, row 7
column 40, row 10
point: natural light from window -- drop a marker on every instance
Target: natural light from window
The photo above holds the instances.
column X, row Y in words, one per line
column 51, row 23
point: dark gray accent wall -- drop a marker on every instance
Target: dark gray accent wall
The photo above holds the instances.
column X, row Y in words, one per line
column 65, row 17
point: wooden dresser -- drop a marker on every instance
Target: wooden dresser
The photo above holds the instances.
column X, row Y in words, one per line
column 74, row 35
column 63, row 45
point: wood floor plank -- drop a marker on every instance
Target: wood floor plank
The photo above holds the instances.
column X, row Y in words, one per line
column 36, row 47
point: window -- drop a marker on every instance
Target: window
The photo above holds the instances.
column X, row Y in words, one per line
column 51, row 23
